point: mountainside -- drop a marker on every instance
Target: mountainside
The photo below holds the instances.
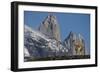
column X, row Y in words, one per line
column 37, row 45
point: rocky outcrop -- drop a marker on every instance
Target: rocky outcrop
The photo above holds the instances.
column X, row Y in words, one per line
column 75, row 44
column 50, row 27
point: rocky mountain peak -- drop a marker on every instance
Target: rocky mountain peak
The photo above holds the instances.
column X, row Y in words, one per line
column 50, row 27
column 75, row 43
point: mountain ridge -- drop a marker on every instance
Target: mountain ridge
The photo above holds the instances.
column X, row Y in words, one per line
column 46, row 41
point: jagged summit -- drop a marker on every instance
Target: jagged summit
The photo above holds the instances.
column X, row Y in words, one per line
column 75, row 43
column 50, row 27
column 51, row 16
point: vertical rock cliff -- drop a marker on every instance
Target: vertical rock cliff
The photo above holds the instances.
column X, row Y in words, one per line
column 50, row 27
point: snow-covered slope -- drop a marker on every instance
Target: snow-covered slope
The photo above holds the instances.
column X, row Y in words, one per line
column 37, row 45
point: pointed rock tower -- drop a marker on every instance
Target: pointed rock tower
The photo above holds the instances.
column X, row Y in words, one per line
column 50, row 27
column 75, row 44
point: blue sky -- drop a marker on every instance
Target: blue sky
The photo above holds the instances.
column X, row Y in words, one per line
column 75, row 22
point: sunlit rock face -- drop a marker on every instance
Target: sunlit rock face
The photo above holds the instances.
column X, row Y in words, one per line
column 50, row 27
column 75, row 44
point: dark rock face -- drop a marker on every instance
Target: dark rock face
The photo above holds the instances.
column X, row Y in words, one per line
column 75, row 44
column 50, row 27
